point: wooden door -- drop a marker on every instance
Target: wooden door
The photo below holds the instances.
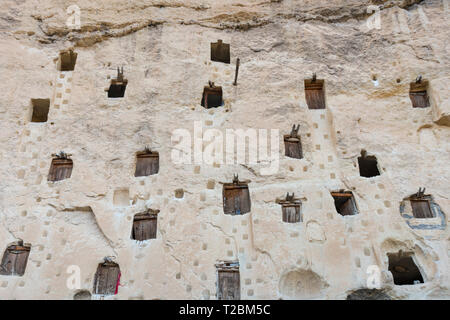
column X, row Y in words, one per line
column 291, row 213
column 293, row 148
column 421, row 209
column 106, row 278
column 60, row 169
column 14, row 261
column 229, row 285
column 236, row 200
column 147, row 164
column 145, row 228
column 419, row 99
column 315, row 98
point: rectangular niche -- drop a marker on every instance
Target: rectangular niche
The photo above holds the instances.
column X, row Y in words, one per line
column 236, row 198
column 212, row 96
column 41, row 108
column 421, row 208
column 293, row 144
column 145, row 225
column 147, row 163
column 228, row 281
column 106, row 280
column 403, row 269
column 345, row 203
column 220, row 52
column 291, row 209
column 118, row 85
column 60, row 169
column 15, row 258
column 314, row 93
column 418, row 93
column 67, row 60
column 368, row 166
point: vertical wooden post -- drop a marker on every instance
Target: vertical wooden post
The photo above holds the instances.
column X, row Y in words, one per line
column 237, row 72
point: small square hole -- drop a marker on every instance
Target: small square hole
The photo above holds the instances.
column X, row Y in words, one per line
column 345, row 203
column 41, row 108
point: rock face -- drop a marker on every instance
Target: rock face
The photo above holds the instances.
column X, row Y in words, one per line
column 164, row 49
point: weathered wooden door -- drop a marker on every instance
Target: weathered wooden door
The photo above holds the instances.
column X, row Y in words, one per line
column 107, row 278
column 293, row 147
column 220, row 52
column 60, row 169
column 421, row 209
column 291, row 213
column 212, row 97
column 419, row 99
column 144, row 227
column 229, row 285
column 147, row 164
column 315, row 98
column 236, row 200
column 14, row 261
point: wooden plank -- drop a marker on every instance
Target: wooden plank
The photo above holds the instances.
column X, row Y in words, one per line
column 293, row 148
column 147, row 165
column 421, row 209
column 291, row 214
column 229, row 285
column 236, row 201
column 419, row 99
column 315, row 98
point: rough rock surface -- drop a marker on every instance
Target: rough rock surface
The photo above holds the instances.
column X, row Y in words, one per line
column 164, row 47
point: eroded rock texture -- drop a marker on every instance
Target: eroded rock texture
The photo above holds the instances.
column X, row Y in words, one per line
column 164, row 49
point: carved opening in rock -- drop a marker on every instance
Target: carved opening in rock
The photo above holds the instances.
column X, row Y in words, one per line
column 315, row 93
column 118, row 85
column 60, row 169
column 121, row 197
column 220, row 51
column 107, row 277
column 15, row 258
column 82, row 295
column 345, row 203
column 40, row 110
column 368, row 294
column 291, row 209
column 301, row 284
column 368, row 165
column 147, row 163
column 293, row 144
column 418, row 94
column 212, row 96
column 179, row 193
column 67, row 60
column 228, row 281
column 403, row 269
column 145, row 225
column 236, row 198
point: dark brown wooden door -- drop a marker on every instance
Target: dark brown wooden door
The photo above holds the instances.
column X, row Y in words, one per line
column 236, row 200
column 315, row 98
column 291, row 213
column 106, row 278
column 293, row 148
column 14, row 261
column 146, row 165
column 60, row 169
column 144, row 229
column 419, row 99
column 117, row 90
column 212, row 97
column 229, row 285
column 421, row 209
column 220, row 52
